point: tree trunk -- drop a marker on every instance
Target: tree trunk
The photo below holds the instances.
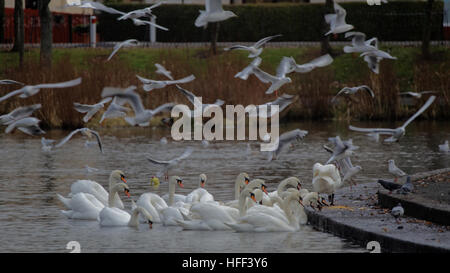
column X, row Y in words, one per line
column 45, row 17
column 19, row 30
column 427, row 30
column 2, row 20
column 214, row 36
column 325, row 47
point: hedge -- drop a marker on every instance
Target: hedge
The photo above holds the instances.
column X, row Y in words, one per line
column 395, row 21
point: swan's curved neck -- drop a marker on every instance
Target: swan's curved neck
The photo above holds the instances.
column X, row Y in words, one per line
column 172, row 186
column 134, row 220
column 287, row 208
column 242, row 198
column 237, row 188
column 113, row 193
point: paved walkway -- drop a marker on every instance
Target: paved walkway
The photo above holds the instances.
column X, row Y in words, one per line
column 362, row 214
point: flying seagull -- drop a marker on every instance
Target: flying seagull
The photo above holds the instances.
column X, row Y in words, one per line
column 115, row 110
column 30, row 90
column 255, row 49
column 321, row 61
column 248, row 69
column 153, row 84
column 352, row 90
column 142, row 116
column 337, row 21
column 342, row 149
column 90, row 110
column 84, row 131
column 28, row 125
column 126, row 43
column 399, row 132
column 359, row 43
column 18, row 113
column 284, row 140
column 192, row 98
column 170, row 164
column 279, row 79
column 214, row 13
column 163, row 71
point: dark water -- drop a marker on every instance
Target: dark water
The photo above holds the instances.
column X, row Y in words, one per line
column 30, row 218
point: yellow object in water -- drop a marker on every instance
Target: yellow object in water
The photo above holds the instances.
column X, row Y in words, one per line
column 154, row 182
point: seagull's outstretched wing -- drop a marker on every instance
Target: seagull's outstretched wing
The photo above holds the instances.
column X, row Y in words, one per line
column 11, row 94
column 264, row 76
column 166, row 107
column 121, row 44
column 67, row 138
column 261, row 42
column 382, row 131
column 66, row 84
column 163, row 71
column 129, row 95
column 10, row 82
column 421, row 110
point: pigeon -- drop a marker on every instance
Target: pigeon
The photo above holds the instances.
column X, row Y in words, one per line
column 397, row 212
column 406, row 188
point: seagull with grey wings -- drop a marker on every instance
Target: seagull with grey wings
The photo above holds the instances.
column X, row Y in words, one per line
column 84, row 131
column 255, row 49
column 359, row 43
column 352, row 90
column 142, row 116
column 213, row 12
column 248, row 70
column 153, row 84
column 145, row 12
column 30, row 90
column 18, row 113
column 337, row 21
column 284, row 140
column 342, row 149
column 398, row 132
column 115, row 110
column 167, row 165
column 394, row 170
column 321, row 61
column 345, row 166
column 90, row 109
column 277, row 80
column 117, row 46
column 28, row 125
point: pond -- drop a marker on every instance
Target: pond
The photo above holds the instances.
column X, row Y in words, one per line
column 31, row 218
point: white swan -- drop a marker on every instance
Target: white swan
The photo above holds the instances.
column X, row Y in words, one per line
column 171, row 198
column 117, row 217
column 86, row 207
column 97, row 190
column 173, row 212
column 153, row 204
column 326, row 179
column 200, row 194
column 241, row 181
column 262, row 221
column 212, row 216
column 288, row 182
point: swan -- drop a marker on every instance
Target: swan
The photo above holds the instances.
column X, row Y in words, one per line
column 153, row 204
column 97, row 190
column 174, row 210
column 87, row 207
column 326, row 179
column 241, row 181
column 117, row 217
column 290, row 181
column 262, row 221
column 171, row 197
column 212, row 216
column 200, row 194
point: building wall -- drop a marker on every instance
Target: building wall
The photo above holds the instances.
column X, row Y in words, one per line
column 55, row 6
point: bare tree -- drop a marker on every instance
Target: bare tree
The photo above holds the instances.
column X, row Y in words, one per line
column 19, row 30
column 325, row 47
column 427, row 30
column 2, row 20
column 214, row 31
column 46, row 32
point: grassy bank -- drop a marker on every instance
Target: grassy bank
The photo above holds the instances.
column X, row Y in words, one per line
column 215, row 79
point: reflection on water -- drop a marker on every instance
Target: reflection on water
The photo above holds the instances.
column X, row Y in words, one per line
column 30, row 218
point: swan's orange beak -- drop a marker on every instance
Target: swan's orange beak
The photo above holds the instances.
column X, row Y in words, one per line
column 150, row 224
column 264, row 189
column 252, row 196
column 127, row 192
column 123, row 179
column 301, row 203
column 180, row 183
column 247, row 181
column 202, row 184
column 299, row 186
